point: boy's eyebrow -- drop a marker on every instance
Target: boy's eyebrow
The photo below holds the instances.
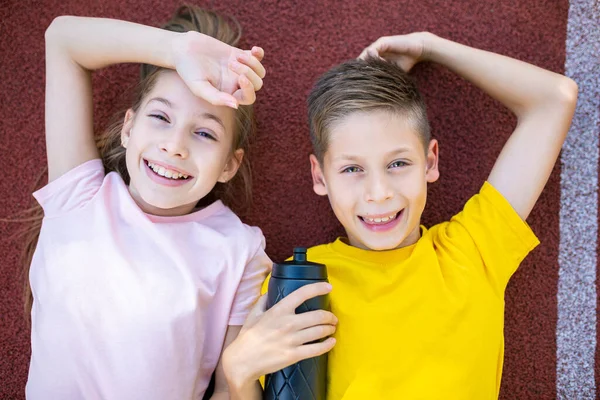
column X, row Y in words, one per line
column 205, row 115
column 349, row 157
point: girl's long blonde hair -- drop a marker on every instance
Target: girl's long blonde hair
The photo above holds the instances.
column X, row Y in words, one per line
column 186, row 18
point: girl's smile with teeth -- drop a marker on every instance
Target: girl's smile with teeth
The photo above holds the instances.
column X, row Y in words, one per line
column 166, row 172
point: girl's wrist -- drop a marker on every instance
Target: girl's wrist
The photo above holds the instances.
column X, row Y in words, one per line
column 237, row 373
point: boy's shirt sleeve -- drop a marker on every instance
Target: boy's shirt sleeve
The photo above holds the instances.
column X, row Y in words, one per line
column 72, row 190
column 491, row 229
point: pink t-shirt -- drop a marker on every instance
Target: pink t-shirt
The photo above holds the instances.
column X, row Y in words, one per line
column 130, row 305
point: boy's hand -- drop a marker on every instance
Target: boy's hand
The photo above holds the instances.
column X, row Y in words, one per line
column 219, row 73
column 274, row 339
column 403, row 50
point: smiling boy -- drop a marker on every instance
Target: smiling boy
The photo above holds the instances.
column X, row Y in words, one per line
column 420, row 312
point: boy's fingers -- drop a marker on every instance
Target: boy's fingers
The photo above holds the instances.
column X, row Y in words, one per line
column 381, row 45
column 208, row 92
column 314, row 349
column 252, row 62
column 313, row 333
column 299, row 296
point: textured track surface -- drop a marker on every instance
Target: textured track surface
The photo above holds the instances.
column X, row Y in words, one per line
column 302, row 40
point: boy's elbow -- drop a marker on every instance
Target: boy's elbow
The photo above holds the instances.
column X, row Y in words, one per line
column 567, row 91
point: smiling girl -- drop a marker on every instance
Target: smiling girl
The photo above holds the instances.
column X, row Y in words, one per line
column 142, row 275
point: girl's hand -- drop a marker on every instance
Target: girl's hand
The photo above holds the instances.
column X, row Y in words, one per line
column 219, row 73
column 403, row 50
column 274, row 339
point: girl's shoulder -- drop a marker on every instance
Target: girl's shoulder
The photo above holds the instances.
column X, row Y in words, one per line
column 72, row 190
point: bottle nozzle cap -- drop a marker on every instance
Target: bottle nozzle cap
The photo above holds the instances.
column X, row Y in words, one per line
column 300, row 254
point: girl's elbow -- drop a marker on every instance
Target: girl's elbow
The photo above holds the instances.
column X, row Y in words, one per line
column 58, row 24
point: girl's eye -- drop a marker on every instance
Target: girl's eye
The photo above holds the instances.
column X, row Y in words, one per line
column 350, row 170
column 206, row 135
column 397, row 164
column 160, row 117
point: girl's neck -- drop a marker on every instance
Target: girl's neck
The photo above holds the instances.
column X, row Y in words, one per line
column 162, row 212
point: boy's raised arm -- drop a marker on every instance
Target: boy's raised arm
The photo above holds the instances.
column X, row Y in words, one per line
column 543, row 101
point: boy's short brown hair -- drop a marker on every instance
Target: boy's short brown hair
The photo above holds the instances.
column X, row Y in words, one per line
column 363, row 86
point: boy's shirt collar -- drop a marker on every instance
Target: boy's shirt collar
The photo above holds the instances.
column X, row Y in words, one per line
column 342, row 247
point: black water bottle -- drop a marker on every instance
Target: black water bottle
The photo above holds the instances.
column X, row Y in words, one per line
column 305, row 380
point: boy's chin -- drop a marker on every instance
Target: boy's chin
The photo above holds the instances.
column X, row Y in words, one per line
column 375, row 244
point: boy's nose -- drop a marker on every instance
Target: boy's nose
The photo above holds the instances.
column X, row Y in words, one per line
column 378, row 190
column 175, row 145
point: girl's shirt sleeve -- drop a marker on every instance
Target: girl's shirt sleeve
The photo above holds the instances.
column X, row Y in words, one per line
column 72, row 190
column 254, row 275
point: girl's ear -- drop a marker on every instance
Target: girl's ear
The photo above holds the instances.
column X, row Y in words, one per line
column 232, row 166
column 127, row 127
column 432, row 173
column 319, row 185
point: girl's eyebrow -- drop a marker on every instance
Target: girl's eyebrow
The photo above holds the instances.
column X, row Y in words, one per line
column 213, row 117
column 205, row 115
column 162, row 100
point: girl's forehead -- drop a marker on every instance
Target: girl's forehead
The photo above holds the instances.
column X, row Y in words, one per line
column 172, row 92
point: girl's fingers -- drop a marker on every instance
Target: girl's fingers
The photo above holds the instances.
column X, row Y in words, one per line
column 243, row 69
column 313, row 350
column 258, row 52
column 245, row 94
column 208, row 92
column 252, row 62
column 313, row 333
column 313, row 318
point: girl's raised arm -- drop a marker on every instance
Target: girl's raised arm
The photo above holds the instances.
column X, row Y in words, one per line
column 75, row 46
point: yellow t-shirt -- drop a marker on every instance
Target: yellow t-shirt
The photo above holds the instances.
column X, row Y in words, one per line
column 426, row 321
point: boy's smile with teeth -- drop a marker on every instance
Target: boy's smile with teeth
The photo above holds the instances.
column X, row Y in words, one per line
column 379, row 219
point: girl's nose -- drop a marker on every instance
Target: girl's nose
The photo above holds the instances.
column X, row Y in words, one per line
column 175, row 145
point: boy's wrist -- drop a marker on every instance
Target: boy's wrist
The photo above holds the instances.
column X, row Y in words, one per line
column 431, row 46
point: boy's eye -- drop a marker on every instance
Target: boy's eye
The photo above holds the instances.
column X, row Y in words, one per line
column 206, row 135
column 352, row 169
column 160, row 117
column 397, row 164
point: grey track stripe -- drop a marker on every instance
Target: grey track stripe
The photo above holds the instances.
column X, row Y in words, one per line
column 577, row 258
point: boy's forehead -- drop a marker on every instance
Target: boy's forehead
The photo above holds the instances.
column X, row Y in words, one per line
column 363, row 131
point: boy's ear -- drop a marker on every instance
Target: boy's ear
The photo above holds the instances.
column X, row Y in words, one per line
column 232, row 166
column 432, row 173
column 319, row 185
column 127, row 127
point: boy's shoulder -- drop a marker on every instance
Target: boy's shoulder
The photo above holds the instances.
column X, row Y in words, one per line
column 319, row 252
